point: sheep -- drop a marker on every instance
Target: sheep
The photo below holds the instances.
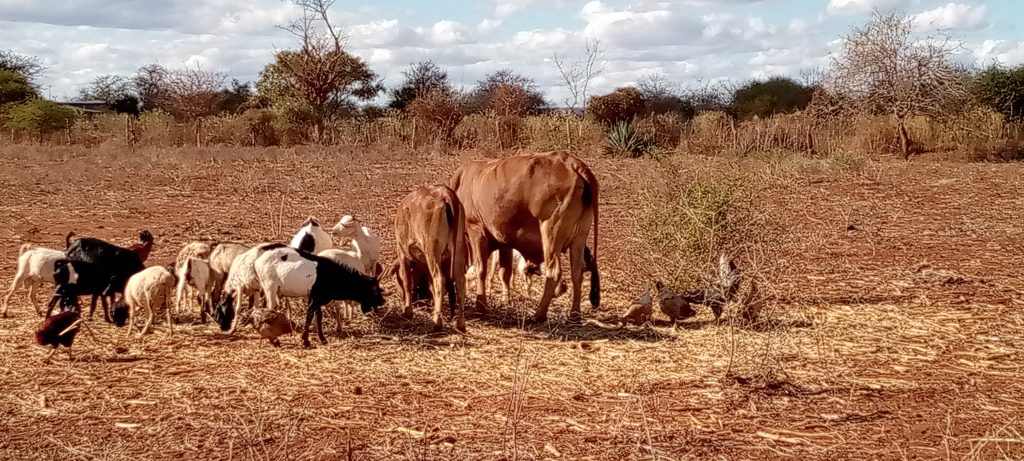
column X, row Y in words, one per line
column 291, row 273
column 196, row 250
column 363, row 240
column 195, row 275
column 221, row 257
column 311, row 238
column 151, row 289
column 242, row 283
column 102, row 268
column 35, row 266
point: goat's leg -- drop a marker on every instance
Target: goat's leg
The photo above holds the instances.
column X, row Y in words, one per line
column 47, row 359
column 305, row 329
column 320, row 324
column 14, row 286
column 31, row 298
column 106, row 308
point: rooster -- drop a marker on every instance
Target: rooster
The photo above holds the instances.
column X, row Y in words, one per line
column 640, row 311
column 274, row 325
column 58, row 330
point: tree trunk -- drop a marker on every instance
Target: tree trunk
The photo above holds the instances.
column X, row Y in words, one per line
column 901, row 124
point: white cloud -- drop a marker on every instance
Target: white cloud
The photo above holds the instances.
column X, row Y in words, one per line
column 855, row 7
column 488, row 25
column 954, row 16
column 1004, row 52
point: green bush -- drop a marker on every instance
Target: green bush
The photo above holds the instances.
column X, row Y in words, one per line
column 778, row 95
column 40, row 117
column 14, row 88
column 1002, row 89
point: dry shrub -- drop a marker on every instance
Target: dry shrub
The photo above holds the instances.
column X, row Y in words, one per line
column 563, row 132
column 712, row 133
column 254, row 127
column 664, row 130
column 621, row 105
column 788, row 132
column 439, row 113
column 998, row 150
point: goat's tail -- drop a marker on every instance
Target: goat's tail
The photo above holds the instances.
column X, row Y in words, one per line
column 23, row 248
column 67, row 239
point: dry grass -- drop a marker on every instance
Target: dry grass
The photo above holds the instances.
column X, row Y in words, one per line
column 894, row 329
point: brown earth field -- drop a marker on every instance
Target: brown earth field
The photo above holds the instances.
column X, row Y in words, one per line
column 893, row 329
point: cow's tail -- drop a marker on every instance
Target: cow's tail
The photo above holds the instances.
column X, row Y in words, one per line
column 457, row 264
column 590, row 198
column 67, row 239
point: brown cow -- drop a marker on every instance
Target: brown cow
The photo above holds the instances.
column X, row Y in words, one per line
column 540, row 204
column 429, row 231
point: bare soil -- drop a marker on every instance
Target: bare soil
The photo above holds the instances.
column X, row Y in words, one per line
column 895, row 333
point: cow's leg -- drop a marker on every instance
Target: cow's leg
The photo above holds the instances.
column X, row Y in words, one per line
column 576, row 272
column 552, row 267
column 480, row 249
column 437, row 282
column 505, row 270
column 407, row 282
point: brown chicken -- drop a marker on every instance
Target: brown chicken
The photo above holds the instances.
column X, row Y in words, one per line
column 274, row 325
column 640, row 311
column 674, row 305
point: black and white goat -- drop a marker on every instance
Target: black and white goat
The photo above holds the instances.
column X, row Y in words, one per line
column 311, row 238
column 291, row 273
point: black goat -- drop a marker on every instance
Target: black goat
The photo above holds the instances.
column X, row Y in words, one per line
column 96, row 268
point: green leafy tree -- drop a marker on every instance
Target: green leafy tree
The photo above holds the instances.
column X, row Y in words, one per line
column 320, row 80
column 777, row 95
column 14, row 88
column 1002, row 89
column 39, row 117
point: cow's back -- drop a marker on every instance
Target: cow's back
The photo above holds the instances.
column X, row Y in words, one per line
column 509, row 197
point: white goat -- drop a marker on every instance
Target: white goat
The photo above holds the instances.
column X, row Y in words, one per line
column 195, row 275
column 35, row 266
column 363, row 240
column 150, row 289
column 242, row 283
column 311, row 237
column 523, row 267
column 196, row 250
column 221, row 258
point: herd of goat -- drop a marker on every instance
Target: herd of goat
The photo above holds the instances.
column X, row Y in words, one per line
column 238, row 285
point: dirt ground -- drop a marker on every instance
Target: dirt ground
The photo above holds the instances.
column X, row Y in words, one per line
column 895, row 333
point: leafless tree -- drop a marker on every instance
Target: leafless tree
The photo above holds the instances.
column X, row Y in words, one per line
column 24, row 65
column 193, row 93
column 320, row 75
column 108, row 87
column 884, row 67
column 150, row 83
column 577, row 75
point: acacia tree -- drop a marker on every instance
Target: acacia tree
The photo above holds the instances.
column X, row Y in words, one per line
column 578, row 74
column 24, row 65
column 193, row 93
column 506, row 92
column 421, row 79
column 151, row 85
column 885, row 68
column 320, row 78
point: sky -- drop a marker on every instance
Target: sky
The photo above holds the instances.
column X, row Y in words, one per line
column 689, row 41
